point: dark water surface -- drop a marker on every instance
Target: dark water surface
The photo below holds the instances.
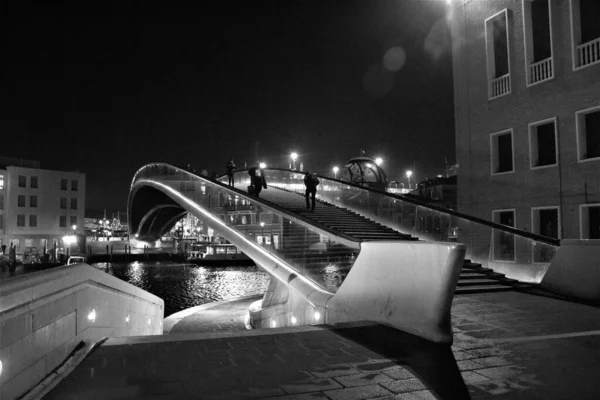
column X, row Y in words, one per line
column 183, row 286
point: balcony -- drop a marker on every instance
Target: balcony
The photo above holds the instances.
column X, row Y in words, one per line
column 500, row 86
column 588, row 53
column 541, row 71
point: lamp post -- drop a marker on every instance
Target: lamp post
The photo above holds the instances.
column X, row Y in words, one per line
column 74, row 229
column 335, row 171
column 408, row 175
column 379, row 161
column 262, row 228
column 294, row 156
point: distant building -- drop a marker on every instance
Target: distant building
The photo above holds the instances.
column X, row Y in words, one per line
column 440, row 191
column 38, row 206
column 527, row 111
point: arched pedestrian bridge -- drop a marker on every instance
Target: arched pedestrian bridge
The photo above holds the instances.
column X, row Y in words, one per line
column 362, row 254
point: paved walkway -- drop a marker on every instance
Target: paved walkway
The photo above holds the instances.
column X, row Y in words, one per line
column 507, row 346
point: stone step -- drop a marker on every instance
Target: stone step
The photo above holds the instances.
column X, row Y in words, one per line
column 478, row 282
column 482, row 289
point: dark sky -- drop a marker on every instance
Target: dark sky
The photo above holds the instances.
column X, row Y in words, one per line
column 103, row 90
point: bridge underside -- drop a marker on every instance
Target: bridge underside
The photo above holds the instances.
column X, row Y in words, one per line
column 152, row 213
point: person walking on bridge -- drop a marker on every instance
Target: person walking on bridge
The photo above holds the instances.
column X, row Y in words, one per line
column 230, row 168
column 257, row 180
column 311, row 182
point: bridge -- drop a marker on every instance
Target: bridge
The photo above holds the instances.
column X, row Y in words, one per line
column 363, row 254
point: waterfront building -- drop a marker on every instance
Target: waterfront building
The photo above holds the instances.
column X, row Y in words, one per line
column 527, row 113
column 38, row 207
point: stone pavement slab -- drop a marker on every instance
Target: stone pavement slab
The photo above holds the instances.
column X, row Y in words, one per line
column 526, row 347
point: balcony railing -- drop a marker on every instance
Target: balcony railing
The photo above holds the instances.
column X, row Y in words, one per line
column 541, row 71
column 500, row 86
column 589, row 53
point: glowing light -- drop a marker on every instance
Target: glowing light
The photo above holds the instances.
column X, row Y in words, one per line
column 262, row 165
column 92, row 315
column 294, row 320
column 369, row 165
column 69, row 239
column 379, row 161
column 408, row 173
column 136, row 235
column 74, row 227
column 335, row 170
column 273, row 324
column 127, row 319
column 317, row 315
column 149, row 321
column 262, row 224
column 0, row 367
column 294, row 156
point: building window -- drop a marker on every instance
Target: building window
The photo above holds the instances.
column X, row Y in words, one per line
column 62, row 221
column 498, row 54
column 63, row 203
column 21, row 200
column 64, row 184
column 73, row 220
column 33, row 182
column 589, row 218
column 543, row 144
column 501, row 150
column 1, row 181
column 537, row 25
column 74, row 185
column 73, row 204
column 503, row 243
column 22, row 181
column 1, row 221
column 33, row 201
column 588, row 133
column 1, row 202
column 33, row 220
column 20, row 219
column 585, row 32
column 545, row 221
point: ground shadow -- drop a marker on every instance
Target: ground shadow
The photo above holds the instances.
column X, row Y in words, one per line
column 434, row 364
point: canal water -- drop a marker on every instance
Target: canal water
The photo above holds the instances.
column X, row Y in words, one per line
column 183, row 286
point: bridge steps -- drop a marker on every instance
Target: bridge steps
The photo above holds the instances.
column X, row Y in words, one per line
column 476, row 279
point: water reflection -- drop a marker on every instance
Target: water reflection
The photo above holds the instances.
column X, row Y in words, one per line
column 187, row 285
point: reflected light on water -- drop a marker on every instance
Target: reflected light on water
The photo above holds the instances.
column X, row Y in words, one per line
column 182, row 286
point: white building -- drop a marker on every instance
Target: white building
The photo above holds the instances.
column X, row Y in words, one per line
column 37, row 206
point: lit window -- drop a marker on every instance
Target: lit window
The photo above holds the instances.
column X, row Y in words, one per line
column 1, row 181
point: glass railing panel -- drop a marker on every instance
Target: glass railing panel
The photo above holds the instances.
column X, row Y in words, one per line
column 506, row 251
column 312, row 254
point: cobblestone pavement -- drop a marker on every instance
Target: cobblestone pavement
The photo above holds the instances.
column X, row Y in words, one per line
column 507, row 346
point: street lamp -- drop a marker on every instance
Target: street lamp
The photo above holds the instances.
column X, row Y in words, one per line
column 262, row 165
column 408, row 175
column 335, row 171
column 74, row 228
column 294, row 156
column 379, row 161
column 262, row 226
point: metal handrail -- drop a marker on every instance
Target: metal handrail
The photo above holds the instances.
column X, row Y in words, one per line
column 307, row 222
column 408, row 199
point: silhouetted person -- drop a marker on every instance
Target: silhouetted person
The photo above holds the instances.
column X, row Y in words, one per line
column 230, row 168
column 204, row 173
column 311, row 182
column 258, row 181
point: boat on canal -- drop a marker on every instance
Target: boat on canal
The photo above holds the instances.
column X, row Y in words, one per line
column 211, row 253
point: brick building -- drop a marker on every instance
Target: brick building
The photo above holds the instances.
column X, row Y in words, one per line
column 527, row 111
column 38, row 206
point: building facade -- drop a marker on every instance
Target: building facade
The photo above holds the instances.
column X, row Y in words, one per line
column 38, row 207
column 527, row 112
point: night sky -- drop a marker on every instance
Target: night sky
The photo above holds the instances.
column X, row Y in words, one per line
column 103, row 90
